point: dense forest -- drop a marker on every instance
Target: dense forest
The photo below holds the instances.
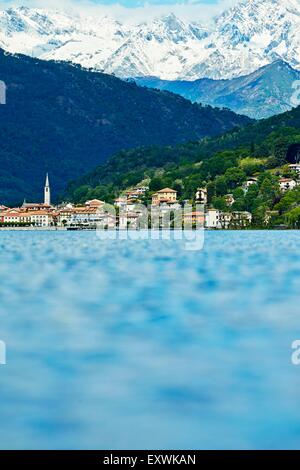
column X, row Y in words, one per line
column 221, row 164
column 65, row 120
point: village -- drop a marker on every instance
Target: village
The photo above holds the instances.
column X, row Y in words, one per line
column 129, row 212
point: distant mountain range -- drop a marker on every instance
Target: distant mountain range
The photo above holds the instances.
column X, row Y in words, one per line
column 244, row 38
column 261, row 94
column 65, row 120
column 190, row 164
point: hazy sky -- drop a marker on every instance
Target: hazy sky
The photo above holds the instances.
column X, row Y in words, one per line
column 199, row 10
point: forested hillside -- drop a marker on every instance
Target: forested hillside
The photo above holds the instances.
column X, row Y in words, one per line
column 65, row 120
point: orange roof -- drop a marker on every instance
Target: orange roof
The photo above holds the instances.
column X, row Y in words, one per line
column 189, row 214
column 10, row 214
column 166, row 190
column 38, row 212
column 94, row 202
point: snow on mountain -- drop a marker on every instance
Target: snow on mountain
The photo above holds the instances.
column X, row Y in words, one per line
column 250, row 35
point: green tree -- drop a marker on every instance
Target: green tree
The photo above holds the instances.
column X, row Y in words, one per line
column 234, row 177
column 293, row 218
column 221, row 185
column 280, row 149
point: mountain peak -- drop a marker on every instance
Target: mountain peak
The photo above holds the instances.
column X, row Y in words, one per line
column 242, row 39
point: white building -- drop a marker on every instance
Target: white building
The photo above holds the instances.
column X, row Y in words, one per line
column 40, row 218
column 128, row 220
column 249, row 182
column 295, row 167
column 36, row 218
column 240, row 219
column 121, row 202
column 286, row 184
column 212, row 218
column 215, row 219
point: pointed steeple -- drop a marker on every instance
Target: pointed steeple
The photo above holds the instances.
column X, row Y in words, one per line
column 47, row 192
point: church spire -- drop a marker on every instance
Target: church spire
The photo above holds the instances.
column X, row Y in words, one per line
column 47, row 193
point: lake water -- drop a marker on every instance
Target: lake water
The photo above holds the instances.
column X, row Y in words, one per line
column 142, row 344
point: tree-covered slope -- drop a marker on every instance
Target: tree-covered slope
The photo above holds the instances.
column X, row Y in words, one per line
column 191, row 163
column 65, row 120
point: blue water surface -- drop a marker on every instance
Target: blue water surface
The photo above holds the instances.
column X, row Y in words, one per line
column 123, row 344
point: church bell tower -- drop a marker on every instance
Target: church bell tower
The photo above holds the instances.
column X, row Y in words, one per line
column 47, row 193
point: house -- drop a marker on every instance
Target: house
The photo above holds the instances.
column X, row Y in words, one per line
column 225, row 219
column 79, row 216
column 106, row 220
column 229, row 199
column 194, row 219
column 270, row 215
column 215, row 219
column 37, row 207
column 65, row 216
column 95, row 204
column 167, row 206
column 164, row 195
column 10, row 217
column 121, row 202
column 137, row 192
column 286, row 184
column 201, row 196
column 249, row 182
column 133, row 195
column 41, row 218
column 240, row 219
column 128, row 220
column 142, row 189
column 212, row 218
column 295, row 167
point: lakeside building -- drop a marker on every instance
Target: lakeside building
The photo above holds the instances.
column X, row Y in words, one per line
column 165, row 195
column 36, row 207
column 194, row 219
column 295, row 167
column 249, row 182
column 286, row 184
column 129, row 220
column 36, row 218
column 121, row 202
column 216, row 219
column 212, row 217
column 95, row 204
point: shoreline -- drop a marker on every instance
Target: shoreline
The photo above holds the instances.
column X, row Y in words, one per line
column 65, row 229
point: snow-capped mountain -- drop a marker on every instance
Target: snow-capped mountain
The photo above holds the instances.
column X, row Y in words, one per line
column 250, row 35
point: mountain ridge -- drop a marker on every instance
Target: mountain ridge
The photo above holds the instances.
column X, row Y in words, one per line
column 65, row 120
column 264, row 93
column 242, row 39
column 259, row 139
